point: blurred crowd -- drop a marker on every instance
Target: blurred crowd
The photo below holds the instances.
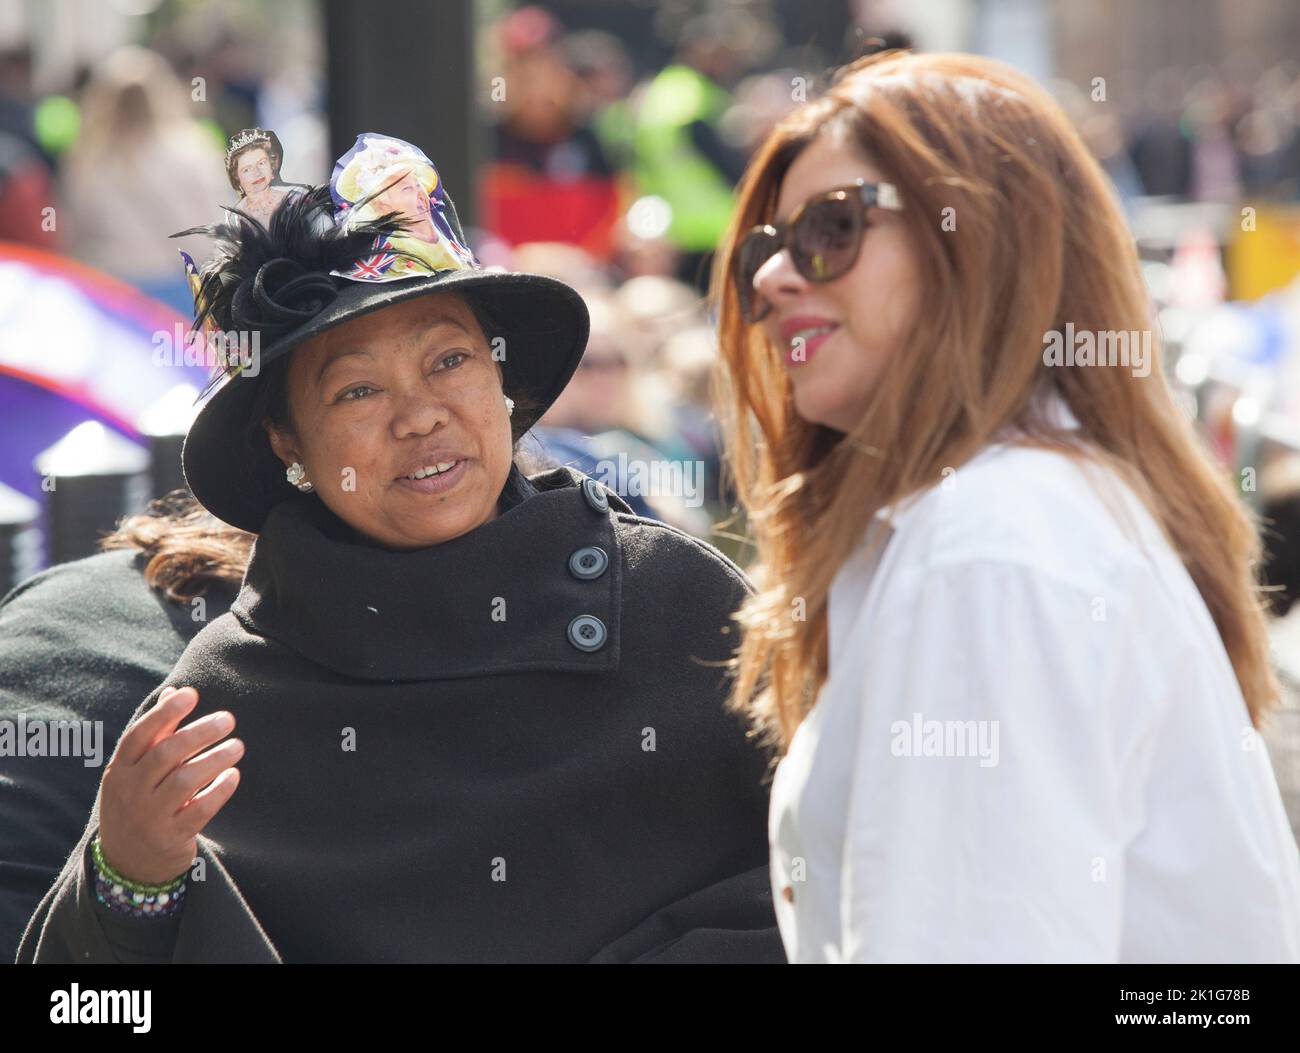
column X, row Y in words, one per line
column 584, row 179
column 1198, row 134
column 617, row 179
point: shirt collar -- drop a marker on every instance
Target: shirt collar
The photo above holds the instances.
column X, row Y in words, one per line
column 1049, row 405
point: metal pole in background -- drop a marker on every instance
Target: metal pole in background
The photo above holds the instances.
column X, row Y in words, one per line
column 406, row 68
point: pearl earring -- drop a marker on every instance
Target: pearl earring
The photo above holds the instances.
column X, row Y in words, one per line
column 294, row 474
column 510, row 406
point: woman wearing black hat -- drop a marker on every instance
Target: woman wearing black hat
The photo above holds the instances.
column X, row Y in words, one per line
column 482, row 713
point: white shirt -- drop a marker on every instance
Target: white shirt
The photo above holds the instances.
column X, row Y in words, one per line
column 1031, row 746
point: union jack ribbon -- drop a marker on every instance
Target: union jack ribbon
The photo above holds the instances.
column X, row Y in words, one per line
column 372, row 266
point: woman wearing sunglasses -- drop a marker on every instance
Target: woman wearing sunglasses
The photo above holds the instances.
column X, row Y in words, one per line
column 1006, row 638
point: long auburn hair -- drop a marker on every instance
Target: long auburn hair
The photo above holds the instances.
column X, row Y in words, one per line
column 1039, row 241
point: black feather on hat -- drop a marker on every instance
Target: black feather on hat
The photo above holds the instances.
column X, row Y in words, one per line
column 272, row 279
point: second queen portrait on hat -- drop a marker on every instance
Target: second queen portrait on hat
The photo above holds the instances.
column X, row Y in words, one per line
column 462, row 709
column 254, row 157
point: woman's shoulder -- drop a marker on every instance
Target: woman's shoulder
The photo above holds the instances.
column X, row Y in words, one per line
column 90, row 634
column 91, row 578
column 654, row 551
column 108, row 584
column 678, row 587
column 105, row 599
column 650, row 546
column 1067, row 515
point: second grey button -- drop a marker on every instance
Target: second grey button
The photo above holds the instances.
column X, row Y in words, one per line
column 587, row 633
column 595, row 495
column 588, row 563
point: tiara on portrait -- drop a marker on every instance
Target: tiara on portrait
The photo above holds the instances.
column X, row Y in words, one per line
column 253, row 135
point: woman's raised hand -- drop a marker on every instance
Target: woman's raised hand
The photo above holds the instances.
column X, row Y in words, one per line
column 162, row 786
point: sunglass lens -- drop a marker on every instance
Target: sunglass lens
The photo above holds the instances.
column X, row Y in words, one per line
column 826, row 239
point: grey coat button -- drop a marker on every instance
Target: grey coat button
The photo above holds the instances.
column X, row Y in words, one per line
column 588, row 563
column 595, row 495
column 587, row 633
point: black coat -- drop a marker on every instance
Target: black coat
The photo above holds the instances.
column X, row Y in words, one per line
column 510, row 796
column 85, row 640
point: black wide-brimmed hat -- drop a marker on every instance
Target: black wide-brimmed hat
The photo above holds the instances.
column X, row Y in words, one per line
column 318, row 265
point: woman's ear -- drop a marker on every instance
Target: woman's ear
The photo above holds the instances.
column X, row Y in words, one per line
column 283, row 442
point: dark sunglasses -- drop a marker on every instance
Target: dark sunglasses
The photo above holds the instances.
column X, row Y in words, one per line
column 824, row 236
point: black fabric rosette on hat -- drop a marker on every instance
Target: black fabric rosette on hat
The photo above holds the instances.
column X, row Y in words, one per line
column 318, row 264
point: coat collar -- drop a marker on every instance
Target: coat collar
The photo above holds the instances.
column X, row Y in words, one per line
column 497, row 600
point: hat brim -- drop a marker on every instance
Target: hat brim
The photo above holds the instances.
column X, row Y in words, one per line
column 543, row 322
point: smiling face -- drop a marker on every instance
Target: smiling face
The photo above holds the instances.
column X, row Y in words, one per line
column 405, row 391
column 406, row 197
column 836, row 337
column 254, row 171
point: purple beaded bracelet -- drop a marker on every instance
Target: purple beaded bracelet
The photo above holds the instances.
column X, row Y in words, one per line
column 146, row 901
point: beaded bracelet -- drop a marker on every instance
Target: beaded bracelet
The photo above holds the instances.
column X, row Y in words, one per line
column 135, row 897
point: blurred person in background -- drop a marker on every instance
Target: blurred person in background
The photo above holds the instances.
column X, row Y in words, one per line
column 569, row 263
column 615, row 392
column 1267, row 137
column 583, row 429
column 588, row 425
column 602, row 64
column 640, row 253
column 1103, row 133
column 26, row 178
column 547, row 177
column 1161, row 149
column 666, row 322
column 26, row 191
column 1279, row 492
column 682, row 155
column 141, row 169
column 762, row 99
column 228, row 52
column 18, row 106
column 618, row 420
column 687, row 360
column 1215, row 172
column 656, row 307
